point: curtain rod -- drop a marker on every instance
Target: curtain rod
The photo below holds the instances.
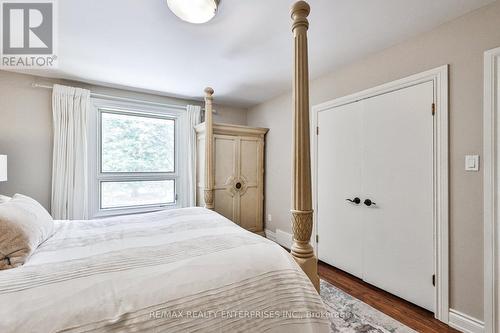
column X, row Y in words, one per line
column 125, row 99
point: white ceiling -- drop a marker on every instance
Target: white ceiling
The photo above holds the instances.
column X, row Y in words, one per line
column 245, row 53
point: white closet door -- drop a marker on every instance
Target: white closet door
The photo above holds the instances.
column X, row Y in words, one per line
column 398, row 177
column 339, row 178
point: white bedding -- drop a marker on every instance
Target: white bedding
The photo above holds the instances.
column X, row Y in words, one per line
column 182, row 270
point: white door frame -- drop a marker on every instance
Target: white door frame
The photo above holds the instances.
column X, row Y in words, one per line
column 491, row 228
column 441, row 207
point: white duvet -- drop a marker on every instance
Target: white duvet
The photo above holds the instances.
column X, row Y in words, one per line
column 185, row 270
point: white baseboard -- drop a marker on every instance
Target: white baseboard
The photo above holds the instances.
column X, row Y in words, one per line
column 284, row 239
column 270, row 235
column 281, row 237
column 465, row 323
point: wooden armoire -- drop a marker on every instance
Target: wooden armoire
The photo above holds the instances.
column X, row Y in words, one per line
column 238, row 173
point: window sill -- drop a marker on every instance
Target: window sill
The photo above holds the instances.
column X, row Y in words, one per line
column 131, row 211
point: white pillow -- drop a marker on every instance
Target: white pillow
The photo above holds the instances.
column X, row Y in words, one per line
column 4, row 198
column 24, row 225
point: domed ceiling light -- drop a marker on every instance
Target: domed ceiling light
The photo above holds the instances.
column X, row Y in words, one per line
column 194, row 11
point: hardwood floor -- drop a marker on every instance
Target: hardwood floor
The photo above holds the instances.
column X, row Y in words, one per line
column 409, row 314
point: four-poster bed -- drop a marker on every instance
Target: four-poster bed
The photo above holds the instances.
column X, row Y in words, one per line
column 180, row 270
column 301, row 210
column 209, row 150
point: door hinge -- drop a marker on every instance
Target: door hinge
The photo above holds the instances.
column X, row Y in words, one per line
column 317, row 130
column 317, row 238
column 433, row 108
column 434, row 280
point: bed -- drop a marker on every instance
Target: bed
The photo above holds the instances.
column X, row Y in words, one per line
column 184, row 270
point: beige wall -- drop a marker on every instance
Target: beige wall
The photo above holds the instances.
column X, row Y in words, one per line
column 461, row 44
column 229, row 115
column 26, row 130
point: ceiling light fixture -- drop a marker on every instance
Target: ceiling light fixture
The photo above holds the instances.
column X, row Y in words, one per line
column 194, row 11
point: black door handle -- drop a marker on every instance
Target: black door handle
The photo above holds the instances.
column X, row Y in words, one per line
column 356, row 200
column 368, row 202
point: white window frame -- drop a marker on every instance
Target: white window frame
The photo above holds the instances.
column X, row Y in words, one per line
column 96, row 177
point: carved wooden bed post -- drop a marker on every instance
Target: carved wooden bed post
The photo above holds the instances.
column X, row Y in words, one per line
column 209, row 150
column 302, row 213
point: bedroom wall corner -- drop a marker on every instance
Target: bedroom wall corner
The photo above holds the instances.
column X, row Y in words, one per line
column 229, row 114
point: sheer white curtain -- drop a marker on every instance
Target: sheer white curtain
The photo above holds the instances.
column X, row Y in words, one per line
column 192, row 119
column 70, row 109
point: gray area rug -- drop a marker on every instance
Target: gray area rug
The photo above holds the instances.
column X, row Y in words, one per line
column 348, row 314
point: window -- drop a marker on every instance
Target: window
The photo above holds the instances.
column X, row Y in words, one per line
column 135, row 167
column 132, row 143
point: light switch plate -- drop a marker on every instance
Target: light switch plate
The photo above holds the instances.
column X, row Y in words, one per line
column 471, row 162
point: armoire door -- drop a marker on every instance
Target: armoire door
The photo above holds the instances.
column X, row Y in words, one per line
column 381, row 149
column 226, row 167
column 250, row 176
column 238, row 177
